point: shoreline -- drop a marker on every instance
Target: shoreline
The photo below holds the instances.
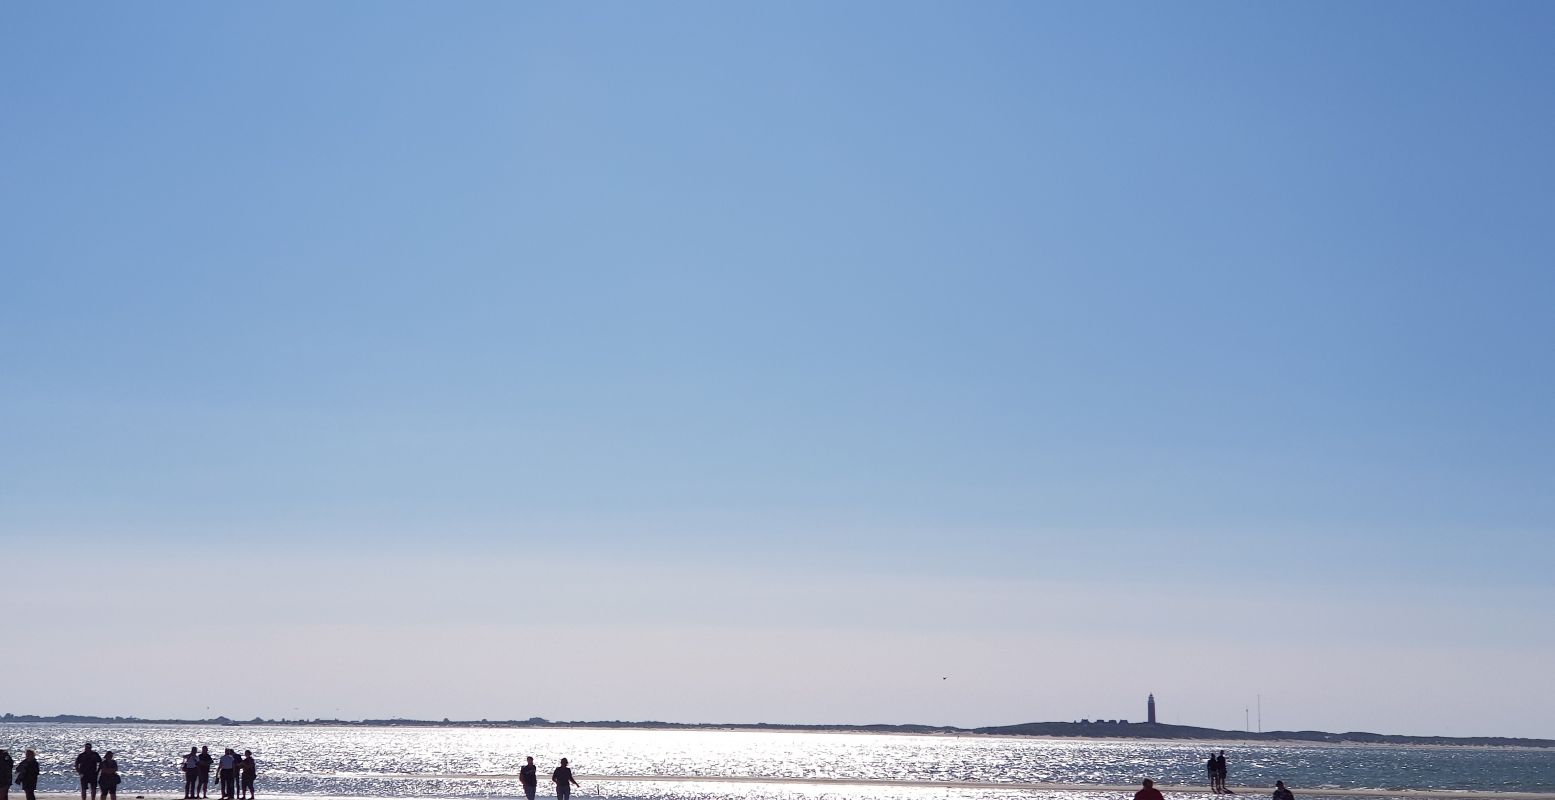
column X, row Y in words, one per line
column 1125, row 790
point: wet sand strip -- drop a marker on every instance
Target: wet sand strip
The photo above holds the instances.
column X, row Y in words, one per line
column 1126, row 790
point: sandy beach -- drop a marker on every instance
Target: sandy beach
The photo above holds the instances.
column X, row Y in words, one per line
column 1126, row 790
column 1242, row 791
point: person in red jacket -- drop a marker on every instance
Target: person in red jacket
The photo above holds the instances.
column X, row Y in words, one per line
column 1149, row 792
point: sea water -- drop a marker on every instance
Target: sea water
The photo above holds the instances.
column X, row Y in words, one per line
column 482, row 762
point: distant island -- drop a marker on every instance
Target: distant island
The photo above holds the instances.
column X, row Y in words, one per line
column 1084, row 729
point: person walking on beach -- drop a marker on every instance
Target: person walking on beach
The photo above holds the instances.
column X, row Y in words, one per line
column 1220, row 773
column 1212, row 766
column 87, row 765
column 564, row 781
column 1149, row 792
column 202, row 778
column 1282, row 793
column 8, row 772
column 249, row 770
column 526, row 776
column 191, row 769
column 108, row 777
column 27, row 775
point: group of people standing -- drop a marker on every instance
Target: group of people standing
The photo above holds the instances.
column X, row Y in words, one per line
column 1216, row 766
column 561, row 776
column 236, row 773
column 99, row 774
column 1149, row 792
column 1217, row 773
column 97, row 771
column 25, row 773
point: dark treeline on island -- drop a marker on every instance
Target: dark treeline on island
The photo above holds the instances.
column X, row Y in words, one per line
column 1099, row 729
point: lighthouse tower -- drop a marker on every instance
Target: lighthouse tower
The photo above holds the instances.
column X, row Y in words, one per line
column 1150, row 710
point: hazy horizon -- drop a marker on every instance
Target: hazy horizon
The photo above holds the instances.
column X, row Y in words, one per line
column 966, row 364
column 605, row 723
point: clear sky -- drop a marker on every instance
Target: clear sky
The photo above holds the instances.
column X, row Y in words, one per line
column 743, row 362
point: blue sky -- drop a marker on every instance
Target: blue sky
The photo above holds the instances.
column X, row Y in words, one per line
column 981, row 330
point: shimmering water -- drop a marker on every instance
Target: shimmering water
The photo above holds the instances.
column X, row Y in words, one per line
column 434, row 762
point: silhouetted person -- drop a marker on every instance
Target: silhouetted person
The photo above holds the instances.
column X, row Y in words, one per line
column 1220, row 773
column 564, row 781
column 87, row 765
column 1149, row 792
column 8, row 772
column 526, row 776
column 108, row 777
column 191, row 769
column 202, row 779
column 27, row 775
column 1212, row 766
column 249, row 769
column 226, row 771
column 1282, row 793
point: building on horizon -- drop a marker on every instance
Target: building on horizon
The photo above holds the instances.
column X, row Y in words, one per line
column 1150, row 709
